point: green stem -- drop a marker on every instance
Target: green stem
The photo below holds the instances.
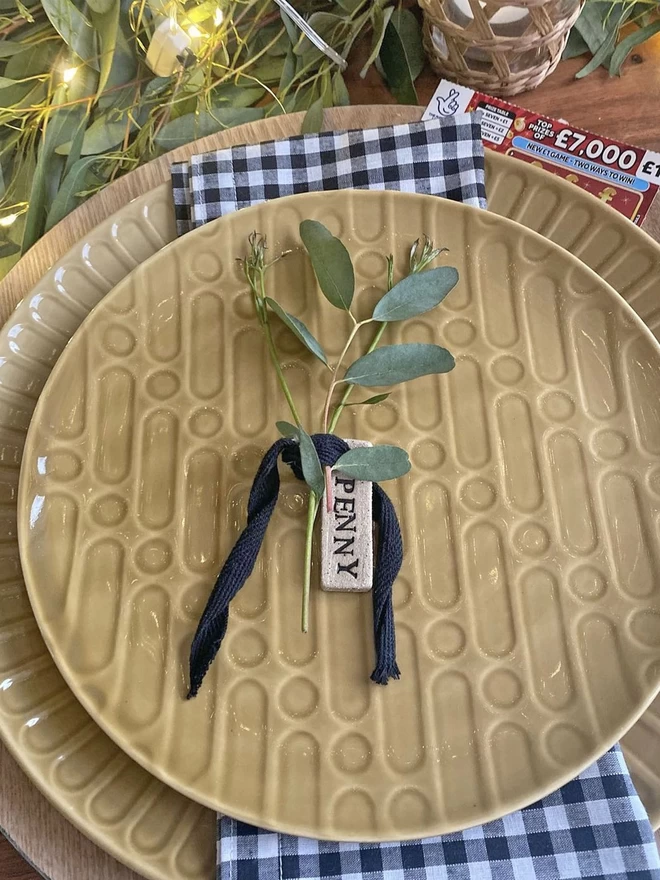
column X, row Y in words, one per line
column 259, row 295
column 312, row 510
column 333, row 383
column 280, row 373
column 374, row 343
column 349, row 388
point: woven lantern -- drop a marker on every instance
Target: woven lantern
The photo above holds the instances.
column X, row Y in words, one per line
column 501, row 47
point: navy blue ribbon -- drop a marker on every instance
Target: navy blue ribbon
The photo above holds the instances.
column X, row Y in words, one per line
column 240, row 562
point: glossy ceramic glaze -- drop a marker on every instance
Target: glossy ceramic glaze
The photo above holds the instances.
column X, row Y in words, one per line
column 141, row 821
column 112, row 806
column 527, row 612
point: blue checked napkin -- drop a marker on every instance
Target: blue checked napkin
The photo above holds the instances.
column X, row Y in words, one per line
column 440, row 158
column 594, row 827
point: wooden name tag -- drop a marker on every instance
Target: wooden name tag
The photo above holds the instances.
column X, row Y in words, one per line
column 347, row 555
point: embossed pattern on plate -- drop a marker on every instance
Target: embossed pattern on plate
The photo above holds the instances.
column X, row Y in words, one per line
column 547, row 433
column 603, row 239
column 136, row 818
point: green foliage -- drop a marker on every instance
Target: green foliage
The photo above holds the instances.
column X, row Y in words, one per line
column 196, row 125
column 599, row 29
column 313, row 120
column 416, row 294
column 374, row 463
column 311, row 466
column 298, row 329
column 331, row 262
column 402, row 55
column 392, row 364
column 114, row 114
column 421, row 290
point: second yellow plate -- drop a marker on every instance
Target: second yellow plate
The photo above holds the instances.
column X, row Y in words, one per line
column 526, row 610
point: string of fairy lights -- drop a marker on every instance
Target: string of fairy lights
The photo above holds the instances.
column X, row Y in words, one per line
column 172, row 38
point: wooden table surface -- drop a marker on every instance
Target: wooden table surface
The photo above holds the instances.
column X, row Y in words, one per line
column 624, row 108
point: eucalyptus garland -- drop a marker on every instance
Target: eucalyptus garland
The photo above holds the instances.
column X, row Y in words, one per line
column 611, row 30
column 79, row 104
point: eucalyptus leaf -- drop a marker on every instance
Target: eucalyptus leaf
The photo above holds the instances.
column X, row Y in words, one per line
column 76, row 143
column 575, row 45
column 238, row 96
column 374, row 463
column 61, row 127
column 267, row 34
column 416, row 293
column 155, row 87
column 377, row 398
column 399, row 363
column 286, row 429
column 350, row 5
column 604, row 53
column 18, row 190
column 590, row 25
column 32, row 61
column 196, row 125
column 303, row 98
column 311, row 466
column 105, row 18
column 407, row 27
column 6, row 82
column 313, row 121
column 397, row 66
column 326, row 25
column 266, row 69
column 105, row 133
column 21, row 95
column 73, row 27
column 101, row 6
column 291, row 29
column 69, row 194
column 331, row 263
column 326, row 89
column 628, row 43
column 380, row 18
column 340, row 95
column 8, row 249
column 298, row 328
column 602, row 56
column 7, row 48
column 288, row 70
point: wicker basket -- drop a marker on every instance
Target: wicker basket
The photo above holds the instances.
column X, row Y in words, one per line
column 495, row 58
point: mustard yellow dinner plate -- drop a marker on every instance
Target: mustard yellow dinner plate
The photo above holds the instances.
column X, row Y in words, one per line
column 527, row 611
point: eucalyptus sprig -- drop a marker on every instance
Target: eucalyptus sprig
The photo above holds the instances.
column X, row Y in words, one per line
column 610, row 30
column 421, row 290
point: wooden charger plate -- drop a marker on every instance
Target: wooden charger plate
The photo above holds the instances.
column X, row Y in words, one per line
column 527, row 608
column 102, row 791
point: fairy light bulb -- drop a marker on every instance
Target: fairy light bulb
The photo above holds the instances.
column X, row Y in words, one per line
column 218, row 17
column 8, row 220
column 68, row 74
column 194, row 32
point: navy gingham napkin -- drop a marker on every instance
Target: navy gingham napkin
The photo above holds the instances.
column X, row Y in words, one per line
column 437, row 157
column 596, row 826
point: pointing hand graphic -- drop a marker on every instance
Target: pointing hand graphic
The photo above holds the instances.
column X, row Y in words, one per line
column 449, row 105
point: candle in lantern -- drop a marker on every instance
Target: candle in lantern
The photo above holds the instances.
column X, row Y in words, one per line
column 510, row 21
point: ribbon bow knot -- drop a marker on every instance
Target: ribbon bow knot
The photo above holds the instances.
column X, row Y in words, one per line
column 243, row 556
